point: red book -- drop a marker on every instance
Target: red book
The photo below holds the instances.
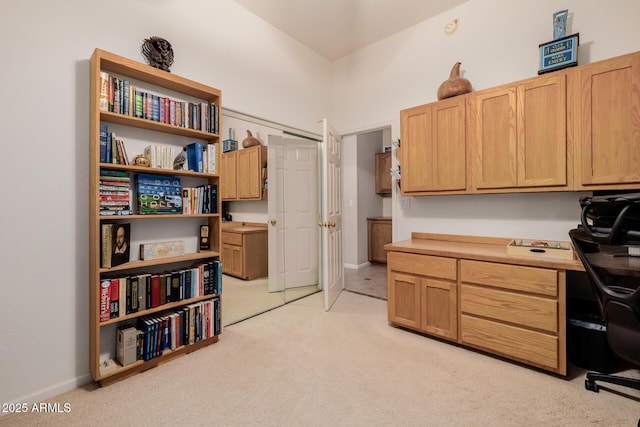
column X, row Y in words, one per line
column 105, row 308
column 114, row 292
column 155, row 290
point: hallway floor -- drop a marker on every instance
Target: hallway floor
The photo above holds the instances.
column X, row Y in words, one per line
column 370, row 280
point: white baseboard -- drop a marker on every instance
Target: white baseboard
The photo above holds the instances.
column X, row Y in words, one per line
column 53, row 391
column 357, row 266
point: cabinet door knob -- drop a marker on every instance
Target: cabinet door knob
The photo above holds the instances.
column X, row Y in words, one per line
column 273, row 222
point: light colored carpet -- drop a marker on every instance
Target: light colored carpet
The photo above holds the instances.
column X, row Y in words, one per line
column 300, row 366
column 242, row 299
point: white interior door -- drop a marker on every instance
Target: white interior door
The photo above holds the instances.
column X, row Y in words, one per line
column 293, row 213
column 332, row 272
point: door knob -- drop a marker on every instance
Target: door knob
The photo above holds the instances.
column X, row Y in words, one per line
column 273, row 222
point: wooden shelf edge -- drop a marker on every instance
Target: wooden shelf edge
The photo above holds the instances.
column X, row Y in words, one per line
column 163, row 307
column 157, row 171
column 122, row 372
column 172, row 260
column 117, row 118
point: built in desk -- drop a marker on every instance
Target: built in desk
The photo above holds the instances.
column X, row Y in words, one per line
column 470, row 291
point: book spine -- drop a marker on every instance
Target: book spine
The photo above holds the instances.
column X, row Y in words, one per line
column 107, row 242
column 105, row 308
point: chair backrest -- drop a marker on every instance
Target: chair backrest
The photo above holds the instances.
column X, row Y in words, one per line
column 618, row 296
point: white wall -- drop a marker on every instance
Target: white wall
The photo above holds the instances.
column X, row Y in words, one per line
column 44, row 339
column 497, row 42
column 369, row 203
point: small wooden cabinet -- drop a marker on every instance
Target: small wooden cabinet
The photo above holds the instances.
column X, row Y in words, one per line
column 422, row 293
column 518, row 137
column 433, row 156
column 383, row 175
column 245, row 250
column 244, row 173
column 379, row 234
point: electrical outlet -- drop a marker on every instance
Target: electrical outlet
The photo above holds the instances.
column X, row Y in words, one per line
column 405, row 202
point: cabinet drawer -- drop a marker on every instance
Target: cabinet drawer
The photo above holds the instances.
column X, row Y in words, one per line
column 525, row 310
column 232, row 238
column 423, row 265
column 533, row 347
column 541, row 281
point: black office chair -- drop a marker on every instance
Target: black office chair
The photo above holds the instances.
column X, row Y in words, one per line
column 614, row 276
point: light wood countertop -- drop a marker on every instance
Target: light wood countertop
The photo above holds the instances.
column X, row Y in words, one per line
column 477, row 248
column 244, row 227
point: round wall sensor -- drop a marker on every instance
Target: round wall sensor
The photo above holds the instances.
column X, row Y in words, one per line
column 451, row 27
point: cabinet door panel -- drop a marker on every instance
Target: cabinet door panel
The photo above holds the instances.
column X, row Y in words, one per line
column 417, row 149
column 494, row 118
column 610, row 121
column 449, row 145
column 403, row 303
column 249, row 171
column 228, row 183
column 542, row 132
column 439, row 308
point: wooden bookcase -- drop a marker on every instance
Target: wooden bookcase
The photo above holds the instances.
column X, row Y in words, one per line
column 161, row 227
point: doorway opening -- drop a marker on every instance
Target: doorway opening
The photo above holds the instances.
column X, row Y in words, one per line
column 368, row 211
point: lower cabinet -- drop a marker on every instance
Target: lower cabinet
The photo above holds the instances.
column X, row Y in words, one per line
column 422, row 293
column 514, row 311
column 244, row 252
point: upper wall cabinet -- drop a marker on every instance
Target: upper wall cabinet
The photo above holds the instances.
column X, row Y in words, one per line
column 247, row 169
column 433, row 156
column 518, row 138
column 606, row 108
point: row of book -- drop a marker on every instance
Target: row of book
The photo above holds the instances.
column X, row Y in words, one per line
column 168, row 330
column 202, row 199
column 120, row 96
column 114, row 192
column 198, row 157
column 112, row 149
column 185, row 326
column 120, row 296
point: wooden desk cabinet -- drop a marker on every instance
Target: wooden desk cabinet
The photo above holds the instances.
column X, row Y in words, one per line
column 474, row 293
column 245, row 251
column 379, row 233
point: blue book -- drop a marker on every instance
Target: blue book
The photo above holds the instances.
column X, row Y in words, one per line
column 109, row 142
column 213, row 200
column 195, row 157
column 103, row 143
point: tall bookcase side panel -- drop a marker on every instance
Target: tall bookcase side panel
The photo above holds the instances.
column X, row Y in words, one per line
column 168, row 85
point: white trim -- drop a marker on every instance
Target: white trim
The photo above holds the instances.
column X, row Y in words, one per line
column 357, row 266
column 268, row 123
column 50, row 392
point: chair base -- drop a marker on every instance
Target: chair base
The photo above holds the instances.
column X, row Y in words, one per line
column 592, row 377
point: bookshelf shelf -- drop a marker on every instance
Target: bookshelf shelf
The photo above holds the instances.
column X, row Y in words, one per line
column 197, row 298
column 137, row 264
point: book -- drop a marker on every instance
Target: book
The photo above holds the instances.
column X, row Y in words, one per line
column 105, row 301
column 126, row 345
column 150, row 251
column 121, row 242
column 212, row 158
column 104, row 91
column 106, row 245
column 195, row 157
column 157, row 194
column 114, row 298
column 103, row 142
